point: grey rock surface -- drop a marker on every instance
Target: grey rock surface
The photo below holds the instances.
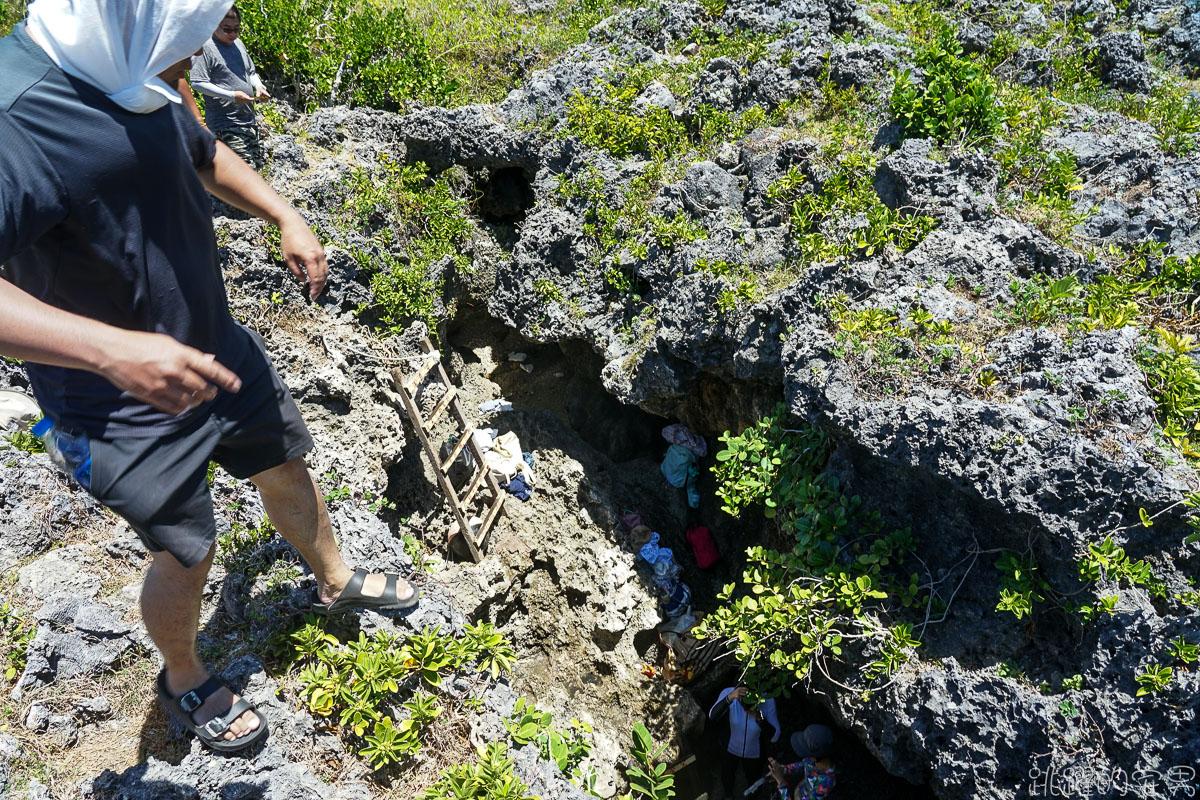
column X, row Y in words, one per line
column 1121, row 58
column 59, row 572
column 917, row 180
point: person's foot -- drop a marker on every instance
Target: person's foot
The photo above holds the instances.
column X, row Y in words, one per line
column 180, row 682
column 374, row 585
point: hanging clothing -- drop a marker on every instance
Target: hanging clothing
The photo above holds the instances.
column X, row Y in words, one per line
column 683, row 436
column 506, row 457
column 677, row 465
column 678, row 602
column 681, row 470
column 120, row 46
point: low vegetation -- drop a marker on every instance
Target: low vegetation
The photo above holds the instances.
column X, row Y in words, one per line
column 389, row 54
column 837, row 598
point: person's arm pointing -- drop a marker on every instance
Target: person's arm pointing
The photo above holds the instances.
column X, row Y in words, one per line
column 152, row 367
column 234, row 181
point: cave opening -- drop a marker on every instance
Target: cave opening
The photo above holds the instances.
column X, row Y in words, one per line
column 504, row 195
column 563, row 380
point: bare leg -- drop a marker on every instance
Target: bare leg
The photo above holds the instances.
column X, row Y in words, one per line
column 171, row 609
column 297, row 510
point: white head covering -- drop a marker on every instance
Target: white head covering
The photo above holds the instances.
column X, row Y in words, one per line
column 120, row 46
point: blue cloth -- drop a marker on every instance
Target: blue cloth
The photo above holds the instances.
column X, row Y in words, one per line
column 678, row 600
column 517, row 487
column 102, row 214
column 681, row 469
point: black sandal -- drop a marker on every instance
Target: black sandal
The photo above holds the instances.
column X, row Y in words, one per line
column 352, row 597
column 212, row 732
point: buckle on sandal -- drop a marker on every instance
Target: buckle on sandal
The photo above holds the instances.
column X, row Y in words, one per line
column 190, row 701
column 215, row 728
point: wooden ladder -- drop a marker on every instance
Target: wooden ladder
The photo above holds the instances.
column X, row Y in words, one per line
column 460, row 503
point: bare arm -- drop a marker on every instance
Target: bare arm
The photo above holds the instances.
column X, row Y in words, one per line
column 152, row 367
column 235, row 182
column 185, row 91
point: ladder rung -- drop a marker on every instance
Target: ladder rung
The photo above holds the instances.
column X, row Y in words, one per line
column 441, row 407
column 480, row 473
column 489, row 519
column 412, row 381
column 458, row 448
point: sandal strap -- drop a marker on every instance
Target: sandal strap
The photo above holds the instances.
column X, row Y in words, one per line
column 217, row 727
column 354, row 586
column 390, row 592
column 190, row 701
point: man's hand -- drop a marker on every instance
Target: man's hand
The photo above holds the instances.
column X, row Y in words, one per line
column 303, row 254
column 242, row 97
column 262, row 95
column 168, row 375
column 776, row 771
column 234, row 181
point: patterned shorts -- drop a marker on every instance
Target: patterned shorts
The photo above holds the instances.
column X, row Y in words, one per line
column 245, row 141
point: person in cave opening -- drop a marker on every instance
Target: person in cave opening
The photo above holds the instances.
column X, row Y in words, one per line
column 111, row 291
column 745, row 750
column 813, row 776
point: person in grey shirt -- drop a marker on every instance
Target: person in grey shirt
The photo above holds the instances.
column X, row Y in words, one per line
column 224, row 73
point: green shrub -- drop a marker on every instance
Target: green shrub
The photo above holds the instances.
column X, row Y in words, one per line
column 16, row 632
column 759, row 466
column 1175, row 384
column 566, row 748
column 402, row 207
column 355, row 682
column 11, row 12
column 491, row 777
column 1020, row 586
column 957, row 102
column 1174, row 113
column 848, row 192
column 608, row 121
column 801, row 607
column 24, row 441
column 1154, row 678
column 649, row 777
column 362, row 52
column 1042, row 301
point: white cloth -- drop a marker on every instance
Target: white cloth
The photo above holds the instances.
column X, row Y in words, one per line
column 18, row 408
column 506, row 458
column 120, row 46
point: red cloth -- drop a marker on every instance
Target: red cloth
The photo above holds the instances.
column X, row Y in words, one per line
column 703, row 547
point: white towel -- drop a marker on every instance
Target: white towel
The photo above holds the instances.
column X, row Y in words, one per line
column 120, row 46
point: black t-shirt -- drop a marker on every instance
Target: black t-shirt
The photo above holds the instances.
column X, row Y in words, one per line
column 102, row 214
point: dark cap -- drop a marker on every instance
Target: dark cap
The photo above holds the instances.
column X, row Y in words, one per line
column 815, row 741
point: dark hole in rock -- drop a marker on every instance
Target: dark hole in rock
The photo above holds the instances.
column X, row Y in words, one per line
column 644, row 642
column 505, row 195
column 564, row 380
column 859, row 773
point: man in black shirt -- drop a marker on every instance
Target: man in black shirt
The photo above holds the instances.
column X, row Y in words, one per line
column 111, row 291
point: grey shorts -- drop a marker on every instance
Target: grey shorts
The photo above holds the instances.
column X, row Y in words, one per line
column 160, row 485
